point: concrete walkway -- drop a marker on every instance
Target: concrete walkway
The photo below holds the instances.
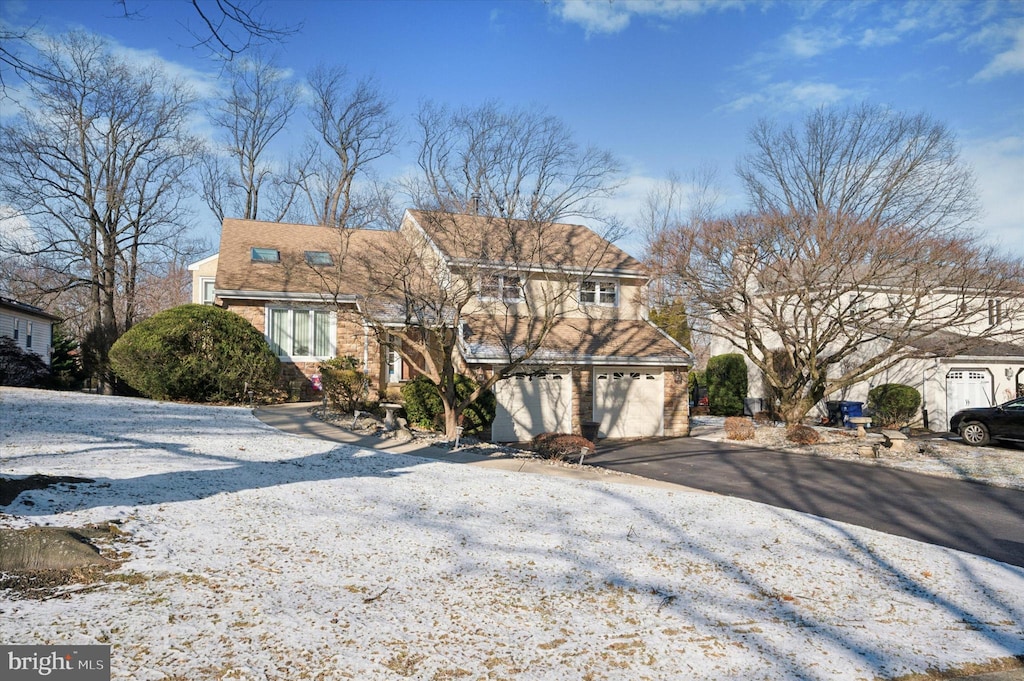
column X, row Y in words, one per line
column 295, row 418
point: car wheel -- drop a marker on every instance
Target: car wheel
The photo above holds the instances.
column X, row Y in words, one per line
column 974, row 433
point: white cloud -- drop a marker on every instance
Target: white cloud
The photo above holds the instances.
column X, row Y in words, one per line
column 1008, row 61
column 16, row 231
column 789, row 96
column 603, row 16
column 806, row 43
column 998, row 166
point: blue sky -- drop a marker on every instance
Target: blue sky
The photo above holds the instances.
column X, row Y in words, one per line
column 667, row 86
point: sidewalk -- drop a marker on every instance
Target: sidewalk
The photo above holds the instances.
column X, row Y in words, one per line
column 294, row 418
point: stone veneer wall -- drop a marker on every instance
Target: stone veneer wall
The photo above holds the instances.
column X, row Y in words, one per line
column 677, row 403
column 350, row 341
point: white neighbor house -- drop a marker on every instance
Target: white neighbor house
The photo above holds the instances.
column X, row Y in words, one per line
column 986, row 373
column 29, row 326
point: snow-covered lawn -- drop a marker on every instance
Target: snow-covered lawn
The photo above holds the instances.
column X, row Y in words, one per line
column 259, row 555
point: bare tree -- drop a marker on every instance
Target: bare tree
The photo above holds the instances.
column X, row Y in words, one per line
column 675, row 202
column 496, row 183
column 856, row 258
column 819, row 303
column 226, row 28
column 240, row 181
column 867, row 164
column 98, row 162
column 354, row 128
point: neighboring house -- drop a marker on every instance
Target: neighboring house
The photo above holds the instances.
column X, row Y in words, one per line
column 955, row 370
column 29, row 326
column 601, row 360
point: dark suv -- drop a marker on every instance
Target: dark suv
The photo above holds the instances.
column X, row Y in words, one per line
column 980, row 424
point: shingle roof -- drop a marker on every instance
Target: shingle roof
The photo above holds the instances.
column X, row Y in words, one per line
column 611, row 341
column 479, row 238
column 236, row 270
column 25, row 308
column 949, row 344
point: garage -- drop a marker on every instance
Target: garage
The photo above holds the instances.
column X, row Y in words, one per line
column 529, row 404
column 968, row 388
column 629, row 402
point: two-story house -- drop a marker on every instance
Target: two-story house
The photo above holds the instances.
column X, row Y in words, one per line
column 961, row 347
column 315, row 293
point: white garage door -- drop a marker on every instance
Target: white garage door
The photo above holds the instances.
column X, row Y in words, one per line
column 531, row 404
column 968, row 388
column 629, row 402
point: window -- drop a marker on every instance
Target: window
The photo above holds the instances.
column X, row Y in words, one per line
column 599, row 293
column 17, row 328
column 266, row 255
column 301, row 333
column 207, row 295
column 394, row 359
column 501, row 287
column 319, row 258
column 995, row 312
column 28, row 336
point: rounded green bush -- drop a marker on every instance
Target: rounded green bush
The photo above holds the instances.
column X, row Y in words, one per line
column 423, row 406
column 894, row 404
column 198, row 353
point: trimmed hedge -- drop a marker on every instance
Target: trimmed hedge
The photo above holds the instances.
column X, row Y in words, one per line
column 196, row 353
column 894, row 404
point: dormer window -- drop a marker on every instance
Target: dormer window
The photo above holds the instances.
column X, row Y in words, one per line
column 319, row 258
column 266, row 255
column 501, row 287
column 594, row 292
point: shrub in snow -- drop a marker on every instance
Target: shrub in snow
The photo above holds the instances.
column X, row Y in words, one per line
column 423, row 406
column 344, row 383
column 739, row 428
column 727, row 384
column 199, row 353
column 20, row 368
column 561, row 446
column 894, row 404
column 803, row 435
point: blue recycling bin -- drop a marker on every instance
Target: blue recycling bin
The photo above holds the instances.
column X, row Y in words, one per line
column 841, row 411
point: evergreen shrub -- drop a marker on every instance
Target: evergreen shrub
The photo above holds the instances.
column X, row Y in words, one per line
column 727, row 384
column 894, row 404
column 196, row 353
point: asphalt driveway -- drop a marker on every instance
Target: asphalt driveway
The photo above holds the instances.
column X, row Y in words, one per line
column 972, row 517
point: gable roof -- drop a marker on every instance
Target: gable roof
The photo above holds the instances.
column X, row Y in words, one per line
column 26, row 309
column 239, row 276
column 522, row 244
column 488, row 339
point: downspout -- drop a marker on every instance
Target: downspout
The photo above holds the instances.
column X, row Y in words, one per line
column 366, row 350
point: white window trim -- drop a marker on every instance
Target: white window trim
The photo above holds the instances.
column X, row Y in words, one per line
column 394, row 360
column 203, row 281
column 332, row 348
column 593, row 287
column 502, row 279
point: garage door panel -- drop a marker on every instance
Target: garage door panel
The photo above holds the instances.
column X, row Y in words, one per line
column 531, row 404
column 968, row 388
column 629, row 402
